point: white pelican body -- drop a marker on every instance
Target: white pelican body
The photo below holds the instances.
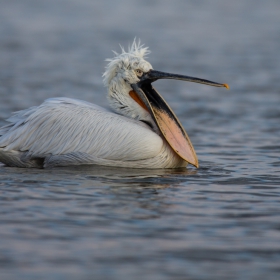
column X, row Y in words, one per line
column 138, row 134
column 65, row 131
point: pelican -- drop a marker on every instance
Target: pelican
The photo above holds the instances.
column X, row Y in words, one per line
column 140, row 130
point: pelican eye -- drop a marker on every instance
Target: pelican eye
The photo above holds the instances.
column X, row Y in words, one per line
column 139, row 72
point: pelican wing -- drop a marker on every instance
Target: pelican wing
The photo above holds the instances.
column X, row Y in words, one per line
column 64, row 126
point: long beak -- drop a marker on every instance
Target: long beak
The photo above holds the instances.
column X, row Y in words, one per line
column 164, row 117
column 154, row 75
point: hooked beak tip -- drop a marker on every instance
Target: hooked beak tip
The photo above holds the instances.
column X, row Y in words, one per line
column 226, row 86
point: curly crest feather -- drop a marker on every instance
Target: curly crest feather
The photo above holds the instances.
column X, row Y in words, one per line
column 128, row 60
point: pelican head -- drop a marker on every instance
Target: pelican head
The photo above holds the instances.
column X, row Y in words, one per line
column 129, row 79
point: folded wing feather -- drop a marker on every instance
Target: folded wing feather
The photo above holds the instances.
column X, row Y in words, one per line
column 64, row 126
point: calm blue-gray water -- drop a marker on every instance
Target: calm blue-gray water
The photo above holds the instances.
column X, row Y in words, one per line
column 221, row 221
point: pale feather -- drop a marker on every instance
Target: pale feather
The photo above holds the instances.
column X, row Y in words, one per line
column 66, row 131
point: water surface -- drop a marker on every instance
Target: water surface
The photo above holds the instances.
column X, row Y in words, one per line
column 221, row 221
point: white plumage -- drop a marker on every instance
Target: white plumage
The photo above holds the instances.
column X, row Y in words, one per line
column 64, row 131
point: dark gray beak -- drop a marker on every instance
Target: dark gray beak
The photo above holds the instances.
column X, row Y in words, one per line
column 154, row 75
column 164, row 117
